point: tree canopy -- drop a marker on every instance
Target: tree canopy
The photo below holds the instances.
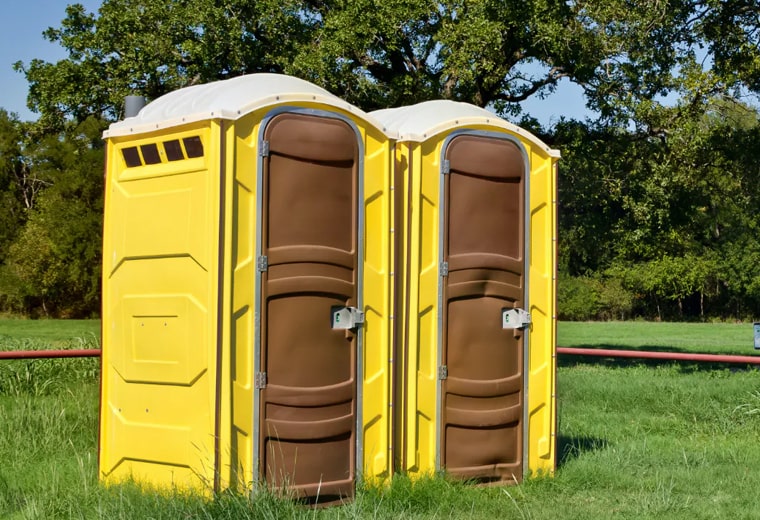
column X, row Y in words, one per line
column 379, row 54
column 657, row 186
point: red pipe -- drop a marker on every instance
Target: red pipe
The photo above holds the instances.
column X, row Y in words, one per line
column 598, row 352
column 672, row 356
column 37, row 354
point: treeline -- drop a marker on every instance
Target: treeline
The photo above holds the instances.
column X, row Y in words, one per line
column 663, row 227
column 51, row 205
column 658, row 191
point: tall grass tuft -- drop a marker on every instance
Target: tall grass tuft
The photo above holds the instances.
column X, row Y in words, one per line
column 47, row 376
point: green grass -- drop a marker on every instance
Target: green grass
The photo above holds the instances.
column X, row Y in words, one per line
column 670, row 441
column 712, row 338
column 49, row 377
column 51, row 331
column 635, row 441
column 48, row 419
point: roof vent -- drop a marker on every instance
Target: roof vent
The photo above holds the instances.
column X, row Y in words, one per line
column 133, row 105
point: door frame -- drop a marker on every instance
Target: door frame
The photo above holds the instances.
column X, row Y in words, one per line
column 441, row 282
column 358, row 449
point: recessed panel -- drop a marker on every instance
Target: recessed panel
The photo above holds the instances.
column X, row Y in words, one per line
column 480, row 221
column 161, row 340
column 292, row 325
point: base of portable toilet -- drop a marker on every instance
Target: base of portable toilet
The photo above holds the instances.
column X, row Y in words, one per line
column 234, row 252
column 478, row 370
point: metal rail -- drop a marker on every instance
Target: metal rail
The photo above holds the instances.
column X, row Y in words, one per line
column 572, row 351
column 669, row 356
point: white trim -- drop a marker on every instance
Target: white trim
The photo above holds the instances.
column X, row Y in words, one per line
column 426, row 120
column 229, row 99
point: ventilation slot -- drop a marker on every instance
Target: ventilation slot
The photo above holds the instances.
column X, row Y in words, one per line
column 173, row 150
column 193, row 146
column 150, row 153
column 131, row 157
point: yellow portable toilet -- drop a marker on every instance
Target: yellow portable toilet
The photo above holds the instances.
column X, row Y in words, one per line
column 247, row 291
column 477, row 372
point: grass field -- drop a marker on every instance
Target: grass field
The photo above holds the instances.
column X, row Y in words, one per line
column 658, row 440
column 49, row 331
column 713, row 338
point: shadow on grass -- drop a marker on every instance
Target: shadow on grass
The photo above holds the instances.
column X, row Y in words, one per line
column 570, row 447
column 686, row 367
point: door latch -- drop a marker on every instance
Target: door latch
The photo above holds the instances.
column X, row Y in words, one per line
column 346, row 317
column 515, row 318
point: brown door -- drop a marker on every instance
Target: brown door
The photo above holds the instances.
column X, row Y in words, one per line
column 482, row 372
column 307, row 408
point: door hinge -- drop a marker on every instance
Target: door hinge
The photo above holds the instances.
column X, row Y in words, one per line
column 260, row 381
column 346, row 317
column 262, row 264
column 443, row 372
column 443, row 269
column 515, row 318
column 264, row 149
column 446, row 167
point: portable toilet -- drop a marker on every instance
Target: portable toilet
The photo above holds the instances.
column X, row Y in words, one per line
column 477, row 369
column 247, row 291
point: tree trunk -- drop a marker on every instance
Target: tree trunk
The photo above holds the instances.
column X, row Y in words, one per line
column 701, row 304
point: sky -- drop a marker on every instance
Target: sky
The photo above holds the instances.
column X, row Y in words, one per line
column 21, row 28
column 21, row 39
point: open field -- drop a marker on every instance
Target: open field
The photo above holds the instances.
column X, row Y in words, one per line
column 636, row 441
column 51, row 331
column 708, row 338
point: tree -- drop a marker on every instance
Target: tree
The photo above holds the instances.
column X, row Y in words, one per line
column 732, row 31
column 17, row 188
column 13, row 172
column 375, row 54
column 153, row 47
column 54, row 263
column 666, row 172
column 674, row 217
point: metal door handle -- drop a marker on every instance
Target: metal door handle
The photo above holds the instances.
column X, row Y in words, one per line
column 346, row 317
column 515, row 318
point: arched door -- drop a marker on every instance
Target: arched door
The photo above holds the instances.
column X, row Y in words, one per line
column 483, row 286
column 309, row 281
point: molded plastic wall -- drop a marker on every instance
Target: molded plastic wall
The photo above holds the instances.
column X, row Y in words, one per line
column 161, row 260
column 179, row 403
column 179, row 306
column 419, row 162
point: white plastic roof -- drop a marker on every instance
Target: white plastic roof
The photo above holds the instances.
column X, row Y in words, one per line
column 227, row 99
column 424, row 120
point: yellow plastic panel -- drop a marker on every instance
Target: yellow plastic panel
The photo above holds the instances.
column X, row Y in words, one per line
column 242, row 397
column 153, row 231
column 397, row 387
column 158, row 439
column 541, row 374
column 156, row 335
column 160, row 275
column 376, row 295
column 237, row 389
column 409, row 156
column 423, row 314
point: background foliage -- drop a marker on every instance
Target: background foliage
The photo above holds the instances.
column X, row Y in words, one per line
column 658, row 199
